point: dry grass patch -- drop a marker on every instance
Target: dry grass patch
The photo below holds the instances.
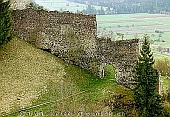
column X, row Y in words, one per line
column 24, row 73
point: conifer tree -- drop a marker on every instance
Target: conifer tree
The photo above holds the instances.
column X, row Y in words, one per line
column 147, row 100
column 5, row 22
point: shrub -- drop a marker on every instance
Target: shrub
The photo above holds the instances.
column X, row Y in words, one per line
column 5, row 23
column 163, row 65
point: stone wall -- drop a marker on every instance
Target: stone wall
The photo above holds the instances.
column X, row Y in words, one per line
column 53, row 26
column 67, row 35
column 72, row 37
column 121, row 54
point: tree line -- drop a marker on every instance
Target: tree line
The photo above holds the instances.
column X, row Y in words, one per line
column 126, row 6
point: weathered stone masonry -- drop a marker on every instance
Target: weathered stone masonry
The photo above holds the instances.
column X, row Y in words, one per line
column 120, row 54
column 73, row 38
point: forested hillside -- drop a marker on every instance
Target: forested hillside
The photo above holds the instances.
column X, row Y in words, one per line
column 128, row 6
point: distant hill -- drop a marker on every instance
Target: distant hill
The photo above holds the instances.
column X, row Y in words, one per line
column 129, row 6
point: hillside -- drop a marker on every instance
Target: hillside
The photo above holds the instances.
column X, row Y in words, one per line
column 33, row 80
column 127, row 6
column 23, row 66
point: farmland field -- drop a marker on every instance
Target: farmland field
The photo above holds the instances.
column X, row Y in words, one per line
column 135, row 25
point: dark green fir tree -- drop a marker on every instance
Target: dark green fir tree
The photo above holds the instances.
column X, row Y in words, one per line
column 5, row 22
column 147, row 100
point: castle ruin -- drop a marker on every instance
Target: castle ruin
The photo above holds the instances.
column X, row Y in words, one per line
column 73, row 38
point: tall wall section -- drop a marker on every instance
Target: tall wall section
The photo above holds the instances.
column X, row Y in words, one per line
column 122, row 54
column 72, row 37
column 67, row 35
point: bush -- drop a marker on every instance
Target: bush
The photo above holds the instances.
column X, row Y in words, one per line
column 121, row 103
column 5, row 23
column 34, row 6
column 163, row 65
column 156, row 31
column 167, row 95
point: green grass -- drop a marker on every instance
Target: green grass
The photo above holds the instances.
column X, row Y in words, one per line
column 160, row 56
column 32, row 80
column 24, row 73
column 165, row 83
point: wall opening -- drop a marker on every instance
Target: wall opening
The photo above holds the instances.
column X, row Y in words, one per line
column 110, row 71
column 47, row 50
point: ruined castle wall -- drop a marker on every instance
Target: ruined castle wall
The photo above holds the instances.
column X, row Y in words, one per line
column 67, row 35
column 72, row 37
column 52, row 25
column 121, row 54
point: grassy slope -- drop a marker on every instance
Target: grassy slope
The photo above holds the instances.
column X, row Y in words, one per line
column 29, row 76
column 24, row 73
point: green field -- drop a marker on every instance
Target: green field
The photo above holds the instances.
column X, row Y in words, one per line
column 161, row 57
column 135, row 26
